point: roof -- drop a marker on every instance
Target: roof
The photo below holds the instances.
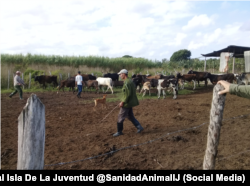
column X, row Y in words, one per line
column 238, row 51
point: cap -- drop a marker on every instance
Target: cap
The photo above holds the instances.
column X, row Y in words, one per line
column 18, row 72
column 123, row 71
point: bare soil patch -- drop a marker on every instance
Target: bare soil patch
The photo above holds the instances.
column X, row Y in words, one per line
column 74, row 132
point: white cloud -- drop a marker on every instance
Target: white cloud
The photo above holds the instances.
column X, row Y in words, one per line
column 141, row 28
column 201, row 20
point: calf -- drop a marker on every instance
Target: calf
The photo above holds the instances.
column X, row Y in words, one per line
column 105, row 82
column 70, row 82
column 91, row 84
column 214, row 78
column 146, row 86
column 186, row 77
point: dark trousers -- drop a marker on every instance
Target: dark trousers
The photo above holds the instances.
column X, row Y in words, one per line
column 79, row 90
column 17, row 89
column 126, row 113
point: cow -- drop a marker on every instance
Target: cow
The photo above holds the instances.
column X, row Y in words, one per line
column 186, row 77
column 70, row 82
column 214, row 78
column 105, row 82
column 117, row 83
column 113, row 76
column 170, row 83
column 91, row 84
column 146, row 86
column 139, row 80
column 91, row 77
column 168, row 77
column 200, row 76
column 84, row 77
column 47, row 79
column 243, row 78
column 159, row 76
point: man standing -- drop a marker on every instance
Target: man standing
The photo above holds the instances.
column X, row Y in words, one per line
column 129, row 100
column 18, row 82
column 78, row 83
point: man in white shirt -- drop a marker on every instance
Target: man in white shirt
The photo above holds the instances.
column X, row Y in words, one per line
column 78, row 83
column 18, row 82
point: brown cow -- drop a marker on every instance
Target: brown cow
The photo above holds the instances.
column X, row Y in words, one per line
column 70, row 82
column 91, row 84
column 186, row 77
column 84, row 77
column 200, row 76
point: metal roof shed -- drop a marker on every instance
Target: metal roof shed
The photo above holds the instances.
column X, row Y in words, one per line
column 237, row 51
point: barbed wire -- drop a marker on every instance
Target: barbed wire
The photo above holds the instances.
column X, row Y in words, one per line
column 150, row 141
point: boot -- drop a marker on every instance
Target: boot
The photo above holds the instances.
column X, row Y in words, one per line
column 119, row 129
column 138, row 126
column 11, row 95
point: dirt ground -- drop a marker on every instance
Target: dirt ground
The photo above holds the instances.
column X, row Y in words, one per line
column 74, row 133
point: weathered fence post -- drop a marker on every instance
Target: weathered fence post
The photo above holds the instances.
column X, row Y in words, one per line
column 29, row 79
column 213, row 136
column 68, row 75
column 31, row 135
column 49, row 73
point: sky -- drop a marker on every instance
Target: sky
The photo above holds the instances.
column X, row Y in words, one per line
column 152, row 29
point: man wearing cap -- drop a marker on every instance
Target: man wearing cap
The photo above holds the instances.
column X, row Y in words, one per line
column 18, row 82
column 128, row 101
column 78, row 83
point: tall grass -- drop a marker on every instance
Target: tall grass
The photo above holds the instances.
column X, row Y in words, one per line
column 106, row 63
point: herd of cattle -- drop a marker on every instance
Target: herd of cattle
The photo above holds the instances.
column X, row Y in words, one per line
column 146, row 82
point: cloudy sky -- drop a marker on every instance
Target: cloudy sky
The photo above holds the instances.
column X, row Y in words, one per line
column 153, row 29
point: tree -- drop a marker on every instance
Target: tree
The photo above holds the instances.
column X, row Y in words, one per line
column 181, row 55
column 127, row 56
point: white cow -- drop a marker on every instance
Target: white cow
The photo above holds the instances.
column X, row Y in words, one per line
column 105, row 82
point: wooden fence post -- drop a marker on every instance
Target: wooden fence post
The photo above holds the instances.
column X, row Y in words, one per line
column 213, row 136
column 31, row 135
column 68, row 75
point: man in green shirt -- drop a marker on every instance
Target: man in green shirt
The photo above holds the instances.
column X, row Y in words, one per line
column 239, row 90
column 128, row 101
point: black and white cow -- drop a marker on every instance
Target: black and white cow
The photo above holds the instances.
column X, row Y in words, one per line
column 165, row 84
column 243, row 78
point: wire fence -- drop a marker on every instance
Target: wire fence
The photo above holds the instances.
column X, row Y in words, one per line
column 150, row 141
